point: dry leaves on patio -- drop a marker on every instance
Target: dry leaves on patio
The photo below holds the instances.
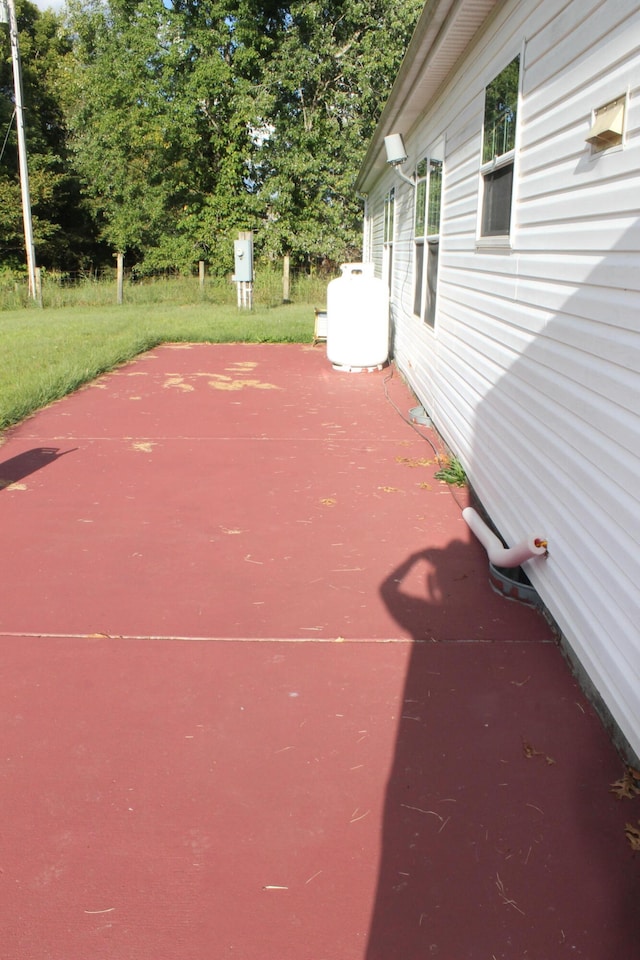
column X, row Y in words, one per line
column 530, row 752
column 415, row 461
column 633, row 835
column 626, row 788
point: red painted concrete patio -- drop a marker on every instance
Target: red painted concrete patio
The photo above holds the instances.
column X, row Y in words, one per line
column 259, row 700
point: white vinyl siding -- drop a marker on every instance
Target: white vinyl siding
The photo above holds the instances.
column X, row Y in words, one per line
column 532, row 371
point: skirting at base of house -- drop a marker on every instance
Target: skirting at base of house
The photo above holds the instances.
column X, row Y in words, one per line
column 505, row 582
column 587, row 686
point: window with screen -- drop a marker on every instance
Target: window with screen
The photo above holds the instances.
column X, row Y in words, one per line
column 428, row 203
column 498, row 151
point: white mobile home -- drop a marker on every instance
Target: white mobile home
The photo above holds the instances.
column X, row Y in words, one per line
column 508, row 228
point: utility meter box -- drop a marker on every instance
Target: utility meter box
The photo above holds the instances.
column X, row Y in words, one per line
column 243, row 261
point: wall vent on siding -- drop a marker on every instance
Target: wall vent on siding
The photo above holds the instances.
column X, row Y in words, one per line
column 608, row 125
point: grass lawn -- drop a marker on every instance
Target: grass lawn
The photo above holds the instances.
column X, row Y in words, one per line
column 48, row 353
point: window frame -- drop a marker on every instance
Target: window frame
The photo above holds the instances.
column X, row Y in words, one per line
column 426, row 239
column 496, row 164
column 419, row 230
column 433, row 241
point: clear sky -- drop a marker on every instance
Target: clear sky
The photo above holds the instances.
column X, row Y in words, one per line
column 47, row 4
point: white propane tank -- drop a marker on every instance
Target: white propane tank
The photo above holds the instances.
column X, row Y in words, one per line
column 357, row 319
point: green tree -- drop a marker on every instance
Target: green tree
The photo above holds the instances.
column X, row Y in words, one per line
column 196, row 119
column 61, row 232
column 320, row 96
column 158, row 129
column 122, row 129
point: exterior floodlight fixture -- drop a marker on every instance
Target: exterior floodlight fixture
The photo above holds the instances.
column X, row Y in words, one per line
column 397, row 155
column 394, row 145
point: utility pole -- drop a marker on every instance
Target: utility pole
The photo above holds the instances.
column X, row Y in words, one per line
column 8, row 7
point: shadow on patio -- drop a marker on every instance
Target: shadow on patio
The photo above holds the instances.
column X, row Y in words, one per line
column 500, row 838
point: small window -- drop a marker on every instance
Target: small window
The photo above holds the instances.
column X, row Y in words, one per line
column 419, row 222
column 496, row 206
column 419, row 273
column 428, row 203
column 421, row 197
column 433, row 238
column 435, row 197
column 433, row 255
column 498, row 151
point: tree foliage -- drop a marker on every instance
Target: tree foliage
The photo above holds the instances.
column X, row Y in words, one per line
column 61, row 230
column 160, row 128
column 323, row 91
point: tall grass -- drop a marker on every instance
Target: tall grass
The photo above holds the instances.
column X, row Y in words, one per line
column 62, row 290
column 47, row 353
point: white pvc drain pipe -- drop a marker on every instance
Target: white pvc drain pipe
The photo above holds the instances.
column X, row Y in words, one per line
column 499, row 555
